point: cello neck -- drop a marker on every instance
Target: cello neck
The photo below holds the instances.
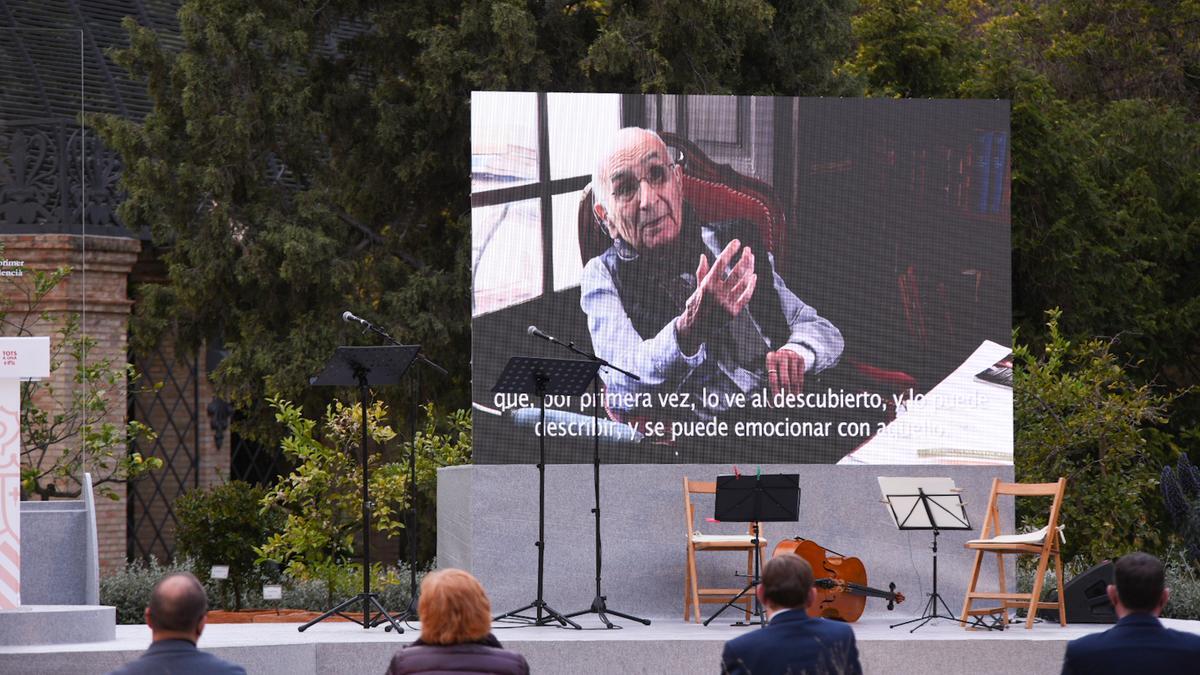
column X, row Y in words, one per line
column 856, row 589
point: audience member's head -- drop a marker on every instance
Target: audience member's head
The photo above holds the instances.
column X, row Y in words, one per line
column 787, row 582
column 453, row 608
column 1139, row 584
column 177, row 607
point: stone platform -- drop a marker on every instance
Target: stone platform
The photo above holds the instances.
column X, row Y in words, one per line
column 56, row 624
column 667, row 646
column 488, row 523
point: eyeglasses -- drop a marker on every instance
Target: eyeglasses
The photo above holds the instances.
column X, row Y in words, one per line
column 628, row 185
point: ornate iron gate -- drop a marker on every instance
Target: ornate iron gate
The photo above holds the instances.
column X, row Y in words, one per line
column 255, row 463
column 173, row 411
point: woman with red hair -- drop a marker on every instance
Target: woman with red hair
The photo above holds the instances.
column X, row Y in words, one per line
column 456, row 622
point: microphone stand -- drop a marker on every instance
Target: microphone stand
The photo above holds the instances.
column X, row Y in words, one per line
column 410, row 612
column 368, row 326
column 599, row 605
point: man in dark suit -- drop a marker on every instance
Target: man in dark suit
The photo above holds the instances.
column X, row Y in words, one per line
column 176, row 615
column 1139, row 643
column 792, row 642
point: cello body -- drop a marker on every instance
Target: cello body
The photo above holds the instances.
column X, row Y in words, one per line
column 841, row 581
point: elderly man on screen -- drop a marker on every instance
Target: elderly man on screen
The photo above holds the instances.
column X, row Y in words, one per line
column 689, row 306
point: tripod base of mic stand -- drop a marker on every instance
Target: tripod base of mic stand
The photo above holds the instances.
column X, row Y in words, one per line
column 931, row 613
column 601, row 609
column 368, row 621
column 408, row 614
column 758, row 614
column 542, row 608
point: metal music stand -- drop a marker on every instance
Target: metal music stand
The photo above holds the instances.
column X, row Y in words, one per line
column 363, row 367
column 770, row 498
column 599, row 605
column 543, row 377
column 926, row 503
column 410, row 518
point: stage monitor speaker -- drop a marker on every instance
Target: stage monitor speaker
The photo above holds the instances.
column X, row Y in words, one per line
column 1086, row 597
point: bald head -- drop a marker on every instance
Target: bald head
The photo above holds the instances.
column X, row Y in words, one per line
column 638, row 190
column 177, row 605
column 625, row 141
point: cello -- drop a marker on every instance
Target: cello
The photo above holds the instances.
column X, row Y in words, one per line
column 841, row 581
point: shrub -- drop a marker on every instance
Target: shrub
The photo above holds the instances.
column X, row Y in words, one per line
column 1181, row 494
column 322, row 499
column 1181, row 579
column 1185, row 588
column 224, row 525
column 444, row 440
column 128, row 589
column 313, row 594
column 1080, row 415
column 1027, row 569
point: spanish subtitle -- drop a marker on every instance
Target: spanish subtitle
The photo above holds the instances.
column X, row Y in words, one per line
column 730, row 415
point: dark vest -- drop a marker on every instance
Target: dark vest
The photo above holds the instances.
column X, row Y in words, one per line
column 654, row 291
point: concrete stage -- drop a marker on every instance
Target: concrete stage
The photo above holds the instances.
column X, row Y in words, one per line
column 667, row 646
column 488, row 523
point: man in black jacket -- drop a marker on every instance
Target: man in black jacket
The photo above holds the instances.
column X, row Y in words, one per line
column 175, row 615
column 792, row 642
column 1139, row 643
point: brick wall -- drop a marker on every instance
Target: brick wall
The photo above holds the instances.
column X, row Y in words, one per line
column 97, row 292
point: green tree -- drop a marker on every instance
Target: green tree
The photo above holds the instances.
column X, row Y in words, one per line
column 1114, row 50
column 1105, row 194
column 303, row 158
column 1105, row 157
column 321, row 498
column 912, row 48
column 1079, row 414
column 224, row 525
column 720, row 46
column 67, row 433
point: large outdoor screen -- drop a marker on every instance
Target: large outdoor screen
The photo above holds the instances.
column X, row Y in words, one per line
column 766, row 279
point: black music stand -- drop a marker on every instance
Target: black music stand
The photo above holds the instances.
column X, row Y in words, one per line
column 543, row 377
column 926, row 504
column 363, row 367
column 410, row 519
column 770, row 498
column 599, row 605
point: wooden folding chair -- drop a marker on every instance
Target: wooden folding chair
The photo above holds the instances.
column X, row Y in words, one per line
column 1044, row 543
column 693, row 594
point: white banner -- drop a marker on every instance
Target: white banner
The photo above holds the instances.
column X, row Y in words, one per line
column 20, row 359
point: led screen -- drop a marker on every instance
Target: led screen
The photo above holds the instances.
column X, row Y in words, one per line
column 765, row 279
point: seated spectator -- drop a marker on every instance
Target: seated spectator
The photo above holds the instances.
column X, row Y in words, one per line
column 792, row 641
column 456, row 621
column 1139, row 643
column 176, row 614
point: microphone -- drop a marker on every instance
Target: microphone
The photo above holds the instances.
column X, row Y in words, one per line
column 533, row 330
column 349, row 317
